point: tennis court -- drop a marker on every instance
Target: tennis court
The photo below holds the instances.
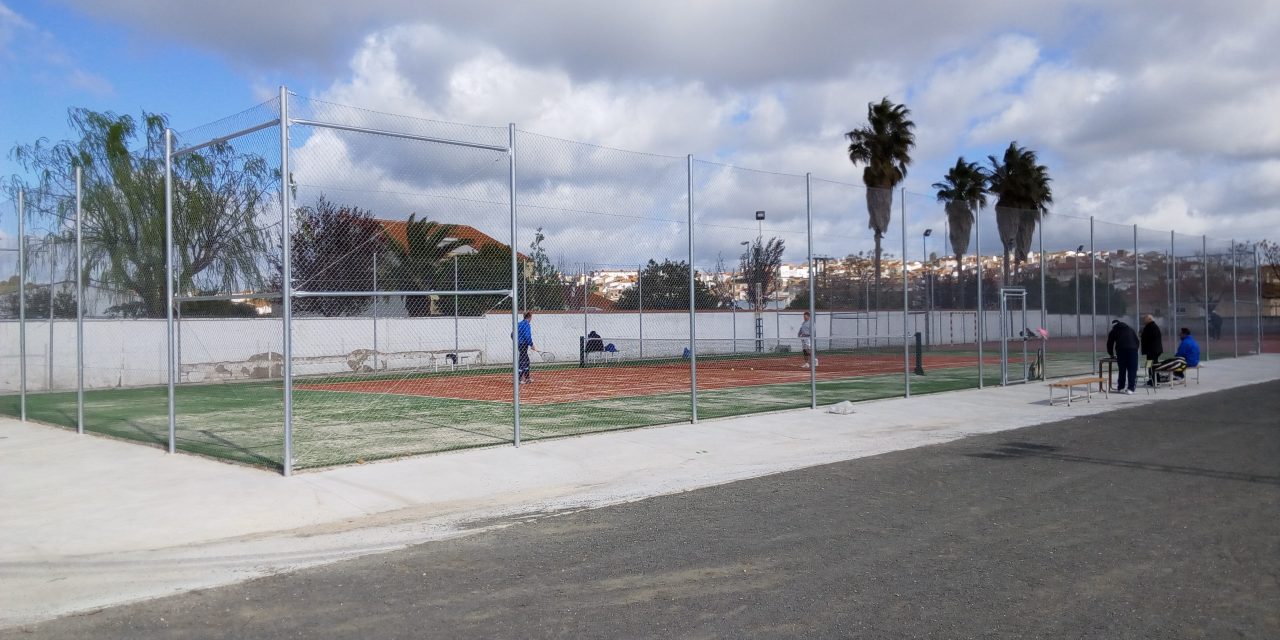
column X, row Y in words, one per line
column 365, row 418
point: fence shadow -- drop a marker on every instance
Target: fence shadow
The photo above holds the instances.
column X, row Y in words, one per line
column 1023, row 450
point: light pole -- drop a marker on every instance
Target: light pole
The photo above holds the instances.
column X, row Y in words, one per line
column 924, row 242
column 759, row 284
column 928, row 283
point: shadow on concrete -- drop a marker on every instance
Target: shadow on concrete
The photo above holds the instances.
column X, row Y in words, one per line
column 1023, row 450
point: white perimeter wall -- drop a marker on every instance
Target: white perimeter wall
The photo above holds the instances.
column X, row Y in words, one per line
column 123, row 353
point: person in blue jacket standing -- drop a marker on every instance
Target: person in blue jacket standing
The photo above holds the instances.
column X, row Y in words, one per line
column 524, row 333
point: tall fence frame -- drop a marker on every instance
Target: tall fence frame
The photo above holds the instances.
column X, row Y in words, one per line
column 1184, row 302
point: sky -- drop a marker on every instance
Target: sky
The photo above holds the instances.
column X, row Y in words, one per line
column 1164, row 114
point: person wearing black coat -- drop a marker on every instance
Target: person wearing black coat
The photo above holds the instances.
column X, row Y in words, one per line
column 1152, row 345
column 1122, row 344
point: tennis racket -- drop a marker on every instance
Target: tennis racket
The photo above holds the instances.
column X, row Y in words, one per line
column 547, row 356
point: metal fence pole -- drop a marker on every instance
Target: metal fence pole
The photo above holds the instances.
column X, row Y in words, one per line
column 585, row 287
column 515, row 301
column 1257, row 299
column 640, row 304
column 22, row 306
column 375, row 312
column 979, row 326
column 1204, row 253
column 1173, row 281
column 170, row 349
column 52, row 277
column 1137, row 282
column 693, row 314
column 456, row 307
column 1235, row 303
column 906, row 302
column 1044, row 302
column 813, row 311
column 79, row 302
column 286, row 211
column 1093, row 292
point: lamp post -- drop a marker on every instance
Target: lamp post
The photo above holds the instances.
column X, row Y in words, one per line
column 759, row 285
column 928, row 284
column 924, row 242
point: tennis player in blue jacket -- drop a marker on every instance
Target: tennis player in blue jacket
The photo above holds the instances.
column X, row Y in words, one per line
column 524, row 333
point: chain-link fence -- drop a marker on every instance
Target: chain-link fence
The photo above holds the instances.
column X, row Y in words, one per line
column 305, row 284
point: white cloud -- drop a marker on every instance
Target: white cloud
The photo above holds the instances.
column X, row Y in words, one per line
column 1160, row 113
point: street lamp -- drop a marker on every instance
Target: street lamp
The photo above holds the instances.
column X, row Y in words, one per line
column 924, row 242
column 928, row 282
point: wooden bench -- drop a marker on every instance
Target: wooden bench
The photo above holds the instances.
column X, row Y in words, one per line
column 1071, row 385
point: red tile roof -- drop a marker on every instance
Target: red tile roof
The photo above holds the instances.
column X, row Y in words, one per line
column 397, row 230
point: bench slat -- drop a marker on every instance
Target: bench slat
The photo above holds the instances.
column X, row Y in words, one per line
column 1076, row 382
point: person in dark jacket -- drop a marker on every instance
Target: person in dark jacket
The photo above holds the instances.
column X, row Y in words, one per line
column 1152, row 345
column 1122, row 344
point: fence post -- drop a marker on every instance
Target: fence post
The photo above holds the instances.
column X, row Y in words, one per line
column 1204, row 253
column 1173, row 281
column 640, row 304
column 979, row 326
column 1235, row 303
column 1257, row 299
column 375, row 311
column 49, row 244
column 286, row 295
column 813, row 312
column 693, row 314
column 906, row 302
column 1137, row 282
column 79, row 302
column 455, row 308
column 22, row 306
column 170, row 351
column 1044, row 302
column 1093, row 292
column 515, row 300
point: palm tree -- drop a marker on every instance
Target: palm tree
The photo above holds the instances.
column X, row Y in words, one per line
column 884, row 146
column 963, row 191
column 418, row 264
column 1024, row 196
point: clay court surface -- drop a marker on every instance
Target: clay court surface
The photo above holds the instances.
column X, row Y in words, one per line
column 634, row 379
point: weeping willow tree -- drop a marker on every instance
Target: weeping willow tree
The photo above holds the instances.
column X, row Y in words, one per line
column 220, row 198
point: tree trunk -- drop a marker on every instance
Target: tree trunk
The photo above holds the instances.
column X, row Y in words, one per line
column 880, row 210
column 876, row 269
column 1007, row 223
column 960, row 276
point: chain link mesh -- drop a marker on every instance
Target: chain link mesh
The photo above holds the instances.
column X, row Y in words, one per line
column 405, row 268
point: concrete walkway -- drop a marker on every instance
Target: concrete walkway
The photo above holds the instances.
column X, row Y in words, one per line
column 89, row 522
